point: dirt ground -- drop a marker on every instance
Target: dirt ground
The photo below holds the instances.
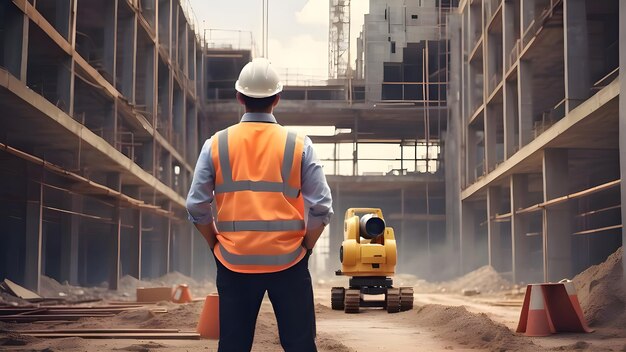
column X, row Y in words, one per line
column 443, row 319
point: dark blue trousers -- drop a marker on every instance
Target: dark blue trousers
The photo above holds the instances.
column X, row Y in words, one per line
column 291, row 294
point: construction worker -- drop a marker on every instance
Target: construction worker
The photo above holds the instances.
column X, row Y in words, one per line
column 261, row 176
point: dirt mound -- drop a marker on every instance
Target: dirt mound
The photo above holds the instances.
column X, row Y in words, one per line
column 184, row 317
column 601, row 292
column 144, row 347
column 469, row 329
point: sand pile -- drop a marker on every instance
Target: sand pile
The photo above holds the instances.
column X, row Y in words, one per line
column 485, row 280
column 601, row 292
column 476, row 331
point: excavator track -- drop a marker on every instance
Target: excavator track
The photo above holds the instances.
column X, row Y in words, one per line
column 393, row 300
column 406, row 298
column 337, row 297
column 352, row 301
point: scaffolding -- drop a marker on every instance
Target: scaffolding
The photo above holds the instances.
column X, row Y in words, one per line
column 339, row 39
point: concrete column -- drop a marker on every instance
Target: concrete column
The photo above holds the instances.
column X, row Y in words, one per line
column 129, row 56
column 491, row 123
column 527, row 15
column 525, row 102
column 148, row 156
column 622, row 114
column 519, row 229
column 65, row 86
column 15, row 41
column 494, row 244
column 70, row 237
column 510, row 119
column 471, row 150
column 110, row 125
column 557, row 242
column 468, row 237
column 110, row 39
column 178, row 122
column 577, row 80
column 508, row 31
column 114, row 181
column 64, row 18
column 191, row 135
column 150, row 68
column 33, row 233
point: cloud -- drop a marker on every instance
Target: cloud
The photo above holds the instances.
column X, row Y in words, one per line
column 314, row 12
column 301, row 54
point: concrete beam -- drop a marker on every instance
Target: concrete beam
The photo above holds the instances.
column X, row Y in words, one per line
column 584, row 111
column 557, row 241
column 90, row 139
column 577, row 80
column 622, row 114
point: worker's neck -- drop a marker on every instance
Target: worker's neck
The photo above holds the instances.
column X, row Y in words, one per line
column 261, row 111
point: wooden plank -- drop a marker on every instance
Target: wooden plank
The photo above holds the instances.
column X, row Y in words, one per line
column 96, row 331
column 586, row 232
column 147, row 335
column 58, row 317
column 20, row 291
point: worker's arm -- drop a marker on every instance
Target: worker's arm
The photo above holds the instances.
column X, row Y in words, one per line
column 201, row 195
column 316, row 194
column 209, row 232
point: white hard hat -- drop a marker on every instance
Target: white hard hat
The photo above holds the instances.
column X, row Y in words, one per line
column 258, row 79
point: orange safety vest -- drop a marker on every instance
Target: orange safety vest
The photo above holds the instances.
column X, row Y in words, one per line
column 260, row 210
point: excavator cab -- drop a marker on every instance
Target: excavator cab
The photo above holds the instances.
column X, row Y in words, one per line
column 368, row 255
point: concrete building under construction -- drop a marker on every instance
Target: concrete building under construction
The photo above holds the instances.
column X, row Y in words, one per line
column 536, row 110
column 98, row 139
column 488, row 131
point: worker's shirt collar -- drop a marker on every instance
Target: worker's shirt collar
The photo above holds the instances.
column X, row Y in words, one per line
column 258, row 117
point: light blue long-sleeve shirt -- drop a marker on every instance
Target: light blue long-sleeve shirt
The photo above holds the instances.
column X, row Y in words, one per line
column 315, row 189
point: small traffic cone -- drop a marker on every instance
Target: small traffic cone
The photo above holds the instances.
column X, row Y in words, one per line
column 181, row 294
column 535, row 319
column 209, row 322
column 573, row 297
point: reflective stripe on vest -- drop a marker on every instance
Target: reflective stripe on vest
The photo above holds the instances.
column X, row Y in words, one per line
column 260, row 225
column 229, row 185
column 275, row 260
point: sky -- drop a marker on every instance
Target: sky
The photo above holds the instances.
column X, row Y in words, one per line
column 298, row 29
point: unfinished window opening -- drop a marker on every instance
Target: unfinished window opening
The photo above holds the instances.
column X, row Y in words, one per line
column 95, row 35
column 603, row 38
column 49, row 69
column 494, row 57
column 414, row 17
column 11, row 38
column 126, row 45
column 164, row 24
column 178, row 118
column 144, row 75
column 476, row 166
column 475, row 94
column 191, row 46
column 58, row 14
column 181, row 40
column 94, row 110
column 148, row 11
column 393, row 47
column 164, row 107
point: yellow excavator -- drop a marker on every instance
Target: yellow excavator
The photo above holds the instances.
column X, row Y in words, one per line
column 368, row 255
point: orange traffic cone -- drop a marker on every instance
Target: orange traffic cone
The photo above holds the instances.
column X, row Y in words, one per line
column 181, row 294
column 573, row 297
column 209, row 323
column 535, row 320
